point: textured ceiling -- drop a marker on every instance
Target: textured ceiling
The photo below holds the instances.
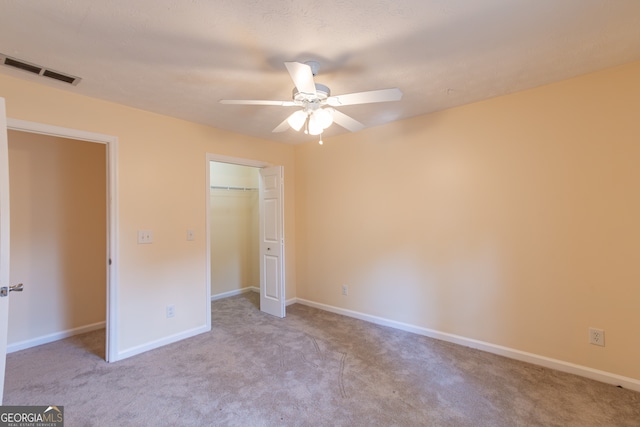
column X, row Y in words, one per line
column 179, row 57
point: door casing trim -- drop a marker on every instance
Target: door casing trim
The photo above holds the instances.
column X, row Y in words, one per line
column 211, row 157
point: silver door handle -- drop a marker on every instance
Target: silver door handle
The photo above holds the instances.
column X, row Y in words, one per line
column 4, row 291
column 16, row 288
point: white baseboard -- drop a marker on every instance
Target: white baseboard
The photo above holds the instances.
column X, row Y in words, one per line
column 161, row 342
column 559, row 365
column 234, row 293
column 22, row 345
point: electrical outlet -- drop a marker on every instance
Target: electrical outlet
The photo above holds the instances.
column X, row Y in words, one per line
column 171, row 311
column 596, row 336
column 345, row 290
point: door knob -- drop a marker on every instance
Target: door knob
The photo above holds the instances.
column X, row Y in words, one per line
column 4, row 291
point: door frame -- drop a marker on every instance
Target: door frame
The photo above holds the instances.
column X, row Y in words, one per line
column 111, row 321
column 210, row 157
column 4, row 242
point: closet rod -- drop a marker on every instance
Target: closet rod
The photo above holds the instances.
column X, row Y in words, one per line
column 217, row 187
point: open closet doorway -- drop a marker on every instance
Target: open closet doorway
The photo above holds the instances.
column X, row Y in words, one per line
column 245, row 231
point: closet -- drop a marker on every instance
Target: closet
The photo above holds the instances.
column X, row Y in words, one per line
column 233, row 229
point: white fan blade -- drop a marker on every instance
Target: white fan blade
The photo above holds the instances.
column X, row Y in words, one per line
column 257, row 102
column 282, row 126
column 302, row 77
column 347, row 122
column 382, row 95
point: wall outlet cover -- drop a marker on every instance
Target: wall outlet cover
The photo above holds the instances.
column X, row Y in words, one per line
column 145, row 237
column 171, row 311
column 596, row 336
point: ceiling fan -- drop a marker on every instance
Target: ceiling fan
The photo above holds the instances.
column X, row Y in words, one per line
column 317, row 112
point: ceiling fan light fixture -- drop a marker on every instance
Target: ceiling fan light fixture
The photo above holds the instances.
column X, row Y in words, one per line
column 316, row 101
column 315, row 124
column 297, row 119
column 324, row 117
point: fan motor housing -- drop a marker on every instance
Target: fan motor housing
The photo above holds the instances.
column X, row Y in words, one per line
column 322, row 93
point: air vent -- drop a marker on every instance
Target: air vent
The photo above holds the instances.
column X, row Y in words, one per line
column 58, row 76
column 22, row 65
column 37, row 69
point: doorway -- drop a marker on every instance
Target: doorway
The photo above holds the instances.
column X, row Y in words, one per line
column 234, row 220
column 245, row 238
column 104, row 147
column 58, row 204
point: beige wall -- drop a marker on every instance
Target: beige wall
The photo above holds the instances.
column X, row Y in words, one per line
column 162, row 182
column 234, row 221
column 58, row 234
column 513, row 221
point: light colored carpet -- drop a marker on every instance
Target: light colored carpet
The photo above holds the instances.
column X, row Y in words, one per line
column 312, row 368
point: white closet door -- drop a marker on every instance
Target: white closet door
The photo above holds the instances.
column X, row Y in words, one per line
column 272, row 298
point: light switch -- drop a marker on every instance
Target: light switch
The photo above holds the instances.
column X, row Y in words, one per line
column 190, row 234
column 145, row 237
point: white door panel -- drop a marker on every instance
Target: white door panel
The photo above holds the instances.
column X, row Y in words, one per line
column 271, row 232
column 271, row 280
